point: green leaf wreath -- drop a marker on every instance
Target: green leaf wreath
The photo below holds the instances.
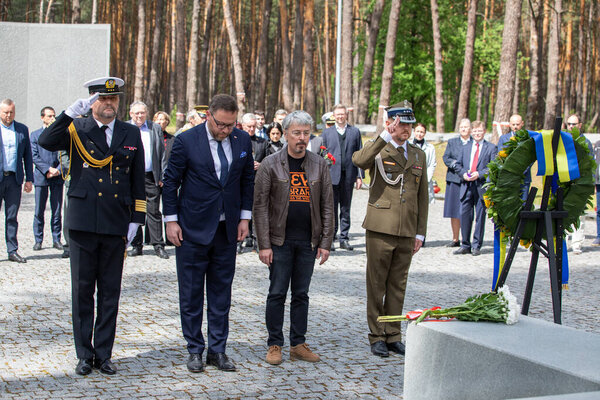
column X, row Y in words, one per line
column 506, row 175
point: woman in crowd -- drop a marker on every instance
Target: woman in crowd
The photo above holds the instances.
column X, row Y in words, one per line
column 274, row 133
column 419, row 141
column 453, row 179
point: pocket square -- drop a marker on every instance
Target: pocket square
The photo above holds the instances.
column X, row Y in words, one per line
column 243, row 154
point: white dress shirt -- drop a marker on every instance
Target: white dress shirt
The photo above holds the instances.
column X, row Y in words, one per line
column 109, row 131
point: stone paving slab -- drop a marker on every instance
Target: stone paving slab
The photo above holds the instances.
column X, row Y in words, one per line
column 37, row 356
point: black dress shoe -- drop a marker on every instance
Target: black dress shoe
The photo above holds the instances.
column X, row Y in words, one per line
column 37, row 246
column 16, row 258
column 194, row 363
column 380, row 349
column 476, row 252
column 66, row 253
column 344, row 244
column 106, row 367
column 160, row 252
column 135, row 251
column 332, row 248
column 396, row 347
column 220, row 360
column 84, row 367
column 454, row 243
column 58, row 246
column 462, row 250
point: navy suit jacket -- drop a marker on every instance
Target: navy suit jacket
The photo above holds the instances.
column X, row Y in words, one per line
column 193, row 192
column 43, row 159
column 487, row 153
column 453, row 152
column 331, row 140
column 23, row 155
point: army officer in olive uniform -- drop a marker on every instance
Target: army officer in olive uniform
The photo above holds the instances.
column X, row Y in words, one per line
column 107, row 203
column 396, row 222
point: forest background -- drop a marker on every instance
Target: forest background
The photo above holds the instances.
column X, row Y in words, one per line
column 481, row 59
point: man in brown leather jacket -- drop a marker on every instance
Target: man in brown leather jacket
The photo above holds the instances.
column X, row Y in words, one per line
column 293, row 217
column 396, row 222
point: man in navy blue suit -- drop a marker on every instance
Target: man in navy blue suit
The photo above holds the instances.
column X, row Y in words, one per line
column 516, row 124
column 47, row 177
column 15, row 154
column 342, row 140
column 207, row 202
column 473, row 166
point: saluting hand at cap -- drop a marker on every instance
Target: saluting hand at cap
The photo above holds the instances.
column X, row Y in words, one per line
column 81, row 106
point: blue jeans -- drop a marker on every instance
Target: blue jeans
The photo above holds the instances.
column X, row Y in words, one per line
column 597, row 211
column 293, row 263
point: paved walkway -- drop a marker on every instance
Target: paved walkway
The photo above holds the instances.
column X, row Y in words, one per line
column 37, row 356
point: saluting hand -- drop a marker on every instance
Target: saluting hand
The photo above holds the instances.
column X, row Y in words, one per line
column 81, row 106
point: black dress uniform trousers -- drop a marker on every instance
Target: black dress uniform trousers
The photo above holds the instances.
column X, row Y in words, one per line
column 95, row 258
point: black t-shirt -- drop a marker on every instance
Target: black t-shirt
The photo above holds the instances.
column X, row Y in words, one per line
column 298, row 224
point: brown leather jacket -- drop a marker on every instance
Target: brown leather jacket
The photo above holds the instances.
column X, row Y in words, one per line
column 271, row 199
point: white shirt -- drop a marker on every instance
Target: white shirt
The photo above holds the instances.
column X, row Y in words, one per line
column 341, row 130
column 109, row 131
column 214, row 145
column 145, row 133
column 387, row 137
column 473, row 150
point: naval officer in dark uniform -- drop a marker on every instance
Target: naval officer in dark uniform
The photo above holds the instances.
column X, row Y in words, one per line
column 107, row 203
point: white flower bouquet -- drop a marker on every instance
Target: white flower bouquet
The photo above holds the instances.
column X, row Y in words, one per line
column 492, row 307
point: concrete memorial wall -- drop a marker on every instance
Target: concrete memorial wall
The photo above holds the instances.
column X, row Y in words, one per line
column 47, row 64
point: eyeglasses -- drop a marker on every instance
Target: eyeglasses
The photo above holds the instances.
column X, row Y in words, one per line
column 572, row 123
column 300, row 133
column 222, row 125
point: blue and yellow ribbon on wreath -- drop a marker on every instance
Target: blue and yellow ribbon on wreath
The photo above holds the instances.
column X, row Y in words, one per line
column 567, row 169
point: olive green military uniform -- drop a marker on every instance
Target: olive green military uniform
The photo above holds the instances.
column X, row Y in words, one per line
column 396, row 213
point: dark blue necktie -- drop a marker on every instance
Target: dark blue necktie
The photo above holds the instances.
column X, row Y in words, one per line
column 224, row 162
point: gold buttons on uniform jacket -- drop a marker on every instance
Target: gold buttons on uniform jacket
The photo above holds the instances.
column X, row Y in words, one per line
column 100, row 194
column 91, row 151
column 116, row 195
column 117, row 168
column 116, row 182
column 100, row 180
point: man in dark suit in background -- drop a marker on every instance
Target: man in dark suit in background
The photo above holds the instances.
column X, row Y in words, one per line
column 473, row 167
column 342, row 140
column 46, row 178
column 15, row 155
column 516, row 124
column 154, row 160
column 207, row 202
column 107, row 203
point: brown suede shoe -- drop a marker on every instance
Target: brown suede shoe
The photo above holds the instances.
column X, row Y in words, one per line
column 274, row 355
column 302, row 352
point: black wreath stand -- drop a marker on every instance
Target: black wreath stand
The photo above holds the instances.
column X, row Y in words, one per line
column 546, row 221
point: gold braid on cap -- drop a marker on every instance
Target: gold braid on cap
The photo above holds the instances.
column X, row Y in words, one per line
column 83, row 153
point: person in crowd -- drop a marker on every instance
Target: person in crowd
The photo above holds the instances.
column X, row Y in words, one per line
column 454, row 179
column 576, row 238
column 261, row 128
column 107, row 204
column 294, row 225
column 15, row 164
column 154, row 161
column 419, row 140
column 274, row 132
column 207, row 202
column 280, row 115
column 163, row 120
column 473, row 166
column 193, row 119
column 47, row 179
column 201, row 109
column 516, row 124
column 342, row 141
column 395, row 223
